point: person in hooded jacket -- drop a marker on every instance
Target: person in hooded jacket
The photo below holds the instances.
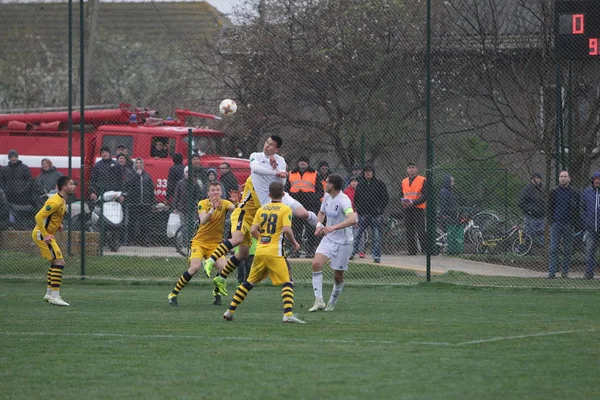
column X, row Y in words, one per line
column 48, row 176
column 16, row 180
column 533, row 204
column 370, row 200
column 175, row 175
column 448, row 204
column 140, row 199
column 590, row 213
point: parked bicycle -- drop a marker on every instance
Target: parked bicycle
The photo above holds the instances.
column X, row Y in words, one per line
column 473, row 227
column 513, row 239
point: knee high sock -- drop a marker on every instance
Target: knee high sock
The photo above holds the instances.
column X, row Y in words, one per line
column 184, row 279
column 231, row 265
column 221, row 250
column 317, row 282
column 335, row 294
column 287, row 296
column 240, row 295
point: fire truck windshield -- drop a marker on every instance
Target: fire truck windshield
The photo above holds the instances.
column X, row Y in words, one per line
column 202, row 144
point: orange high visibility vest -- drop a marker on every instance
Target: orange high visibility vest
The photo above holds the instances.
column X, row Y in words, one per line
column 415, row 190
column 306, row 183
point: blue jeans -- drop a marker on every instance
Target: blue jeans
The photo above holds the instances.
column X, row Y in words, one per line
column 534, row 227
column 592, row 242
column 375, row 222
column 561, row 231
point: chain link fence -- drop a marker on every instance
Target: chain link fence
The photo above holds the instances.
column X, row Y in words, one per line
column 506, row 91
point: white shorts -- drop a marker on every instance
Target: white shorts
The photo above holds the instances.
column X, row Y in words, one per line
column 339, row 254
column 291, row 202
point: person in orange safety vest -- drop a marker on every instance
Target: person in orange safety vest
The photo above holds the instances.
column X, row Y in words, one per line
column 304, row 186
column 414, row 203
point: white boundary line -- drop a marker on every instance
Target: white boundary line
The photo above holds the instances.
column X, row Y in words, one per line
column 498, row 339
column 276, row 339
column 186, row 337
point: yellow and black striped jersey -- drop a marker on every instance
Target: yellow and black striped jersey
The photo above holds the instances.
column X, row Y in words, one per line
column 271, row 219
column 212, row 231
column 50, row 217
column 249, row 200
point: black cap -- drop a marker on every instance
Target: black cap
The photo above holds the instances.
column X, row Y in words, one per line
column 369, row 168
column 303, row 158
column 104, row 148
column 536, row 175
column 12, row 153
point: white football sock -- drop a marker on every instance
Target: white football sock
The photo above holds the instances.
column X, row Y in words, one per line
column 337, row 289
column 317, row 282
column 312, row 218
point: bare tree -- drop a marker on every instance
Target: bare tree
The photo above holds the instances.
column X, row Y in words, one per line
column 508, row 84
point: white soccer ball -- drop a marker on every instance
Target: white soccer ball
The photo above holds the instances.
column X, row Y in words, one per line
column 227, row 107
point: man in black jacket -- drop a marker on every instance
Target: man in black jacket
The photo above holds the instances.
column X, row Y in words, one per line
column 533, row 204
column 370, row 200
column 106, row 175
column 563, row 215
column 16, row 180
column 140, row 199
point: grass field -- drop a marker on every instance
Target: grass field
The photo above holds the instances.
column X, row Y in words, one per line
column 122, row 340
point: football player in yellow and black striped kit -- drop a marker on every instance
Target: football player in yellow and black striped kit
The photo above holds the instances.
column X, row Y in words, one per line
column 241, row 222
column 48, row 221
column 211, row 213
column 271, row 226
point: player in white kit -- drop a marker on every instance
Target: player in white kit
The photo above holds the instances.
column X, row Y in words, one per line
column 336, row 244
column 267, row 166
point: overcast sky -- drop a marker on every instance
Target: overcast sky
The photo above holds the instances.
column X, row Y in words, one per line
column 225, row 6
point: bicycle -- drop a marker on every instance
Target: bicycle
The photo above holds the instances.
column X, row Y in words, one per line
column 473, row 230
column 520, row 242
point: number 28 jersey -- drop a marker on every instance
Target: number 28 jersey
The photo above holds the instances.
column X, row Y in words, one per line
column 271, row 219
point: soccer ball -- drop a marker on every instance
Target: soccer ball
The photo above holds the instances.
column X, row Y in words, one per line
column 227, row 107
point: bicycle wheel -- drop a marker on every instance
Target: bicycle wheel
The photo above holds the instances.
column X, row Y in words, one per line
column 441, row 241
column 474, row 235
column 484, row 220
column 522, row 245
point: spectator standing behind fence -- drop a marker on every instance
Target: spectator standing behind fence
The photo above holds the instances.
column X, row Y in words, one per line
column 563, row 215
column 356, row 172
column 122, row 149
column 48, row 176
column 350, row 191
column 323, row 173
column 371, row 199
column 533, row 205
column 228, row 179
column 180, row 200
column 140, row 199
column 16, row 180
column 175, row 175
column 304, row 186
column 590, row 213
column 448, row 204
column 105, row 175
column 414, row 201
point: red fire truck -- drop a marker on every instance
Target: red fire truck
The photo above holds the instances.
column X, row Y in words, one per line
column 45, row 135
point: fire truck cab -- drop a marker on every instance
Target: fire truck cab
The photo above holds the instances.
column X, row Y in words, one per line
column 46, row 135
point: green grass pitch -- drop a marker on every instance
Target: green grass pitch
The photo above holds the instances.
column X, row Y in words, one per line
column 122, row 340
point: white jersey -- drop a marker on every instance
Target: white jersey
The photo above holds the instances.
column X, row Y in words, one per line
column 335, row 209
column 263, row 174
